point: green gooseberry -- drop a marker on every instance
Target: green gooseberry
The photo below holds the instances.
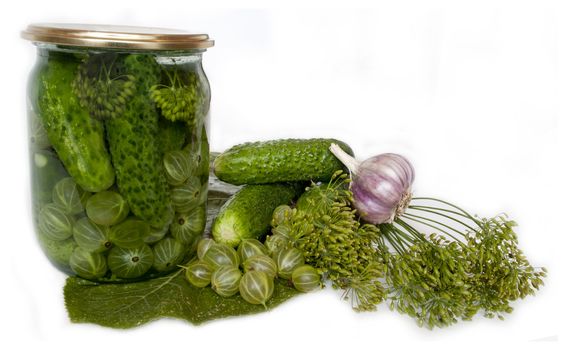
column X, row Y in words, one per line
column 67, row 195
column 90, row 236
column 225, row 280
column 179, row 166
column 87, row 264
column 276, row 243
column 281, row 229
column 199, row 274
column 305, row 278
column 54, row 223
column 107, row 208
column 287, row 261
column 261, row 263
column 281, row 214
column 256, row 287
column 203, row 246
column 155, row 234
column 129, row 233
column 220, row 254
column 250, row 247
column 186, row 227
column 130, row 262
column 187, row 196
column 168, row 253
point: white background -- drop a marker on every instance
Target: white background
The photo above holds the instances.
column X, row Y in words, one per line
column 474, row 93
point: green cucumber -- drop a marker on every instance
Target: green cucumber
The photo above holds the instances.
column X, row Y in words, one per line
column 279, row 161
column 249, row 212
column 133, row 138
column 77, row 138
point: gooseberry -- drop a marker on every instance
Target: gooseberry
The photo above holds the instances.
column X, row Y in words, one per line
column 203, row 246
column 250, row 247
column 281, row 214
column 256, row 287
column 187, row 226
column 168, row 253
column 90, row 236
column 275, row 243
column 221, row 254
column 107, row 208
column 54, row 223
column 187, row 196
column 199, row 274
column 130, row 262
column 129, row 233
column 67, row 195
column 87, row 264
column 178, row 165
column 287, row 261
column 225, row 280
column 305, row 278
column 261, row 263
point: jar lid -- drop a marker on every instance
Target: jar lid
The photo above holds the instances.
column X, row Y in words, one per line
column 116, row 37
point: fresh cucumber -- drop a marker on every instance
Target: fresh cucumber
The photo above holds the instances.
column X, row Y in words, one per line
column 279, row 161
column 77, row 138
column 249, row 212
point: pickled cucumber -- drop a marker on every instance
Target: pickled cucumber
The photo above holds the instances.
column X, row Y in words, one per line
column 135, row 150
column 77, row 138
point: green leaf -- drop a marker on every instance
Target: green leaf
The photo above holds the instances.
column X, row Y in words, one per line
column 133, row 304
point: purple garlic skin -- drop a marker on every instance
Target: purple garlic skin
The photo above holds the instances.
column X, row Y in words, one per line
column 381, row 187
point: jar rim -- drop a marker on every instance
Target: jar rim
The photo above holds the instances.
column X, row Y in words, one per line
column 115, row 37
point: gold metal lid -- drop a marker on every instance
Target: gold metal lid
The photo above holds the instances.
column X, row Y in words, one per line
column 115, row 37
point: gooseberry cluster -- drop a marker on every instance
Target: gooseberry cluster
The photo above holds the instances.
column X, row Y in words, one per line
column 94, row 235
column 250, row 270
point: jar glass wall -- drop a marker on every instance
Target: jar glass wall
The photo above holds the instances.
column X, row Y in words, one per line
column 119, row 151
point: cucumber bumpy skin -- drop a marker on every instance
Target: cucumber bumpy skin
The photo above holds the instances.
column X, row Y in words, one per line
column 135, row 150
column 279, row 161
column 77, row 138
column 249, row 212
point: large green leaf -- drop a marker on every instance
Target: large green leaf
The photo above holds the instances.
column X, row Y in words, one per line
column 132, row 304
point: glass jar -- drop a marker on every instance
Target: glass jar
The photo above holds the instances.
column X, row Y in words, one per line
column 118, row 138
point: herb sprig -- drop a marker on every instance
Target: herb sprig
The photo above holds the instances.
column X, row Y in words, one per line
column 436, row 262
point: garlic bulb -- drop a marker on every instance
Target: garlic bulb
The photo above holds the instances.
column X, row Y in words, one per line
column 381, row 185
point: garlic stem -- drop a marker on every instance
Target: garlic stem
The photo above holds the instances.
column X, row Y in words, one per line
column 350, row 162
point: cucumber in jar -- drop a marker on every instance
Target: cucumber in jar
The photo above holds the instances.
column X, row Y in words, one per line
column 132, row 135
column 77, row 138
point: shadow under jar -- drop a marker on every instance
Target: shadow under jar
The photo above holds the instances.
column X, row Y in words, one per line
column 118, row 138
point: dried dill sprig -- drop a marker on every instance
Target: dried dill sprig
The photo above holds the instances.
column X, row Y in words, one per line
column 102, row 86
column 463, row 266
column 466, row 265
column 500, row 272
column 181, row 97
column 429, row 281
